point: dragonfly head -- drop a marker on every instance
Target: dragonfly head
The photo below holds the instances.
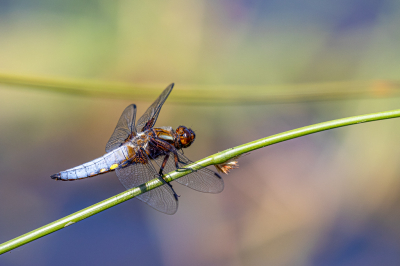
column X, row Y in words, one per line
column 185, row 137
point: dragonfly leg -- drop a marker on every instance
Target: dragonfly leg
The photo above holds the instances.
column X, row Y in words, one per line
column 164, row 146
column 163, row 164
column 178, row 161
column 161, row 174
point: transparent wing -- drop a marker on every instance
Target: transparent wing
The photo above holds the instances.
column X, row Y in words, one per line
column 161, row 198
column 125, row 127
column 203, row 180
column 149, row 118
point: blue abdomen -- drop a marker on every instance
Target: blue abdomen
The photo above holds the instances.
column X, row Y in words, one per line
column 108, row 162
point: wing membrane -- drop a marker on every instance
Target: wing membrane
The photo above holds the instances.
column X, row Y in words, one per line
column 203, row 180
column 125, row 127
column 161, row 198
column 149, row 118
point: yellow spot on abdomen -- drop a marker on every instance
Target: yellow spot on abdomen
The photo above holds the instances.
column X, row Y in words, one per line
column 112, row 167
column 103, row 170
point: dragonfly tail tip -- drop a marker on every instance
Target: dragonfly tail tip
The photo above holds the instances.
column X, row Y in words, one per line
column 56, row 176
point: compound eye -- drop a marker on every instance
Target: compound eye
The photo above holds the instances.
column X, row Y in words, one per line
column 185, row 137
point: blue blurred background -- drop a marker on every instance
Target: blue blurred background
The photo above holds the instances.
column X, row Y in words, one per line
column 326, row 199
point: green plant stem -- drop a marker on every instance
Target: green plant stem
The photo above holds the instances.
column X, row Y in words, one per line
column 217, row 158
column 210, row 94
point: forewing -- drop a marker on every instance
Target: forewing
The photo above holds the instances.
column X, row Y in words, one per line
column 161, row 198
column 125, row 127
column 149, row 118
column 203, row 180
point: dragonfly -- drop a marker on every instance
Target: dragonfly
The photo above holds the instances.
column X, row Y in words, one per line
column 136, row 150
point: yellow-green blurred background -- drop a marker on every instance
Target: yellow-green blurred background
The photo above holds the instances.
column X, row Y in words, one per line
column 326, row 199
